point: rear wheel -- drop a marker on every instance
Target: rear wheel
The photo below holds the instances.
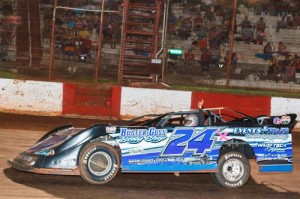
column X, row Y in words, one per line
column 99, row 163
column 233, row 170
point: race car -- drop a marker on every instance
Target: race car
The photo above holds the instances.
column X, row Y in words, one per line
column 218, row 141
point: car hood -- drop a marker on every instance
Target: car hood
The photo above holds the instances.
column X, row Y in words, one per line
column 54, row 140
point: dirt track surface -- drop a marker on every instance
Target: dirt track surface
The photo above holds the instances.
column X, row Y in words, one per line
column 18, row 132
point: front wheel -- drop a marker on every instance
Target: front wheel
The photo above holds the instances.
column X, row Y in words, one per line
column 233, row 170
column 99, row 163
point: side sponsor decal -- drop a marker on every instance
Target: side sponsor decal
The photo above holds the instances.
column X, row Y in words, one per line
column 134, row 136
column 263, row 133
column 274, row 152
column 273, row 147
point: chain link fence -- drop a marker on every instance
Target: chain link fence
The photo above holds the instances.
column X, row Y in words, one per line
column 197, row 48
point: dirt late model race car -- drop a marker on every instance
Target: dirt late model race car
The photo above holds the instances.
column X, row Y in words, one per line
column 221, row 145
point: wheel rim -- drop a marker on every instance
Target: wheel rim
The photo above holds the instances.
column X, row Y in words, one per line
column 100, row 163
column 233, row 170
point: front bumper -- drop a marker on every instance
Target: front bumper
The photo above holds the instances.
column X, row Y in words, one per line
column 54, row 171
column 19, row 166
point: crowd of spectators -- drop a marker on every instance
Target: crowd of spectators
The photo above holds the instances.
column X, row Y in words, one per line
column 284, row 69
column 7, row 24
column 252, row 33
column 201, row 23
column 77, row 31
column 208, row 25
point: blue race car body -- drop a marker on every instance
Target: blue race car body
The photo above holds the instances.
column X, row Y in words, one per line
column 221, row 146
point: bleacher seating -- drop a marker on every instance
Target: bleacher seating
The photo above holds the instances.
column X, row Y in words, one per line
column 246, row 52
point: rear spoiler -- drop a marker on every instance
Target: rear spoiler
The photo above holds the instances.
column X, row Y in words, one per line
column 293, row 120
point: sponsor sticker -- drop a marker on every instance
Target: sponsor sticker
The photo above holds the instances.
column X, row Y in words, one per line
column 111, row 129
column 276, row 120
column 283, row 120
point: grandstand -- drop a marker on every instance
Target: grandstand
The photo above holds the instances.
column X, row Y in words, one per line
column 38, row 55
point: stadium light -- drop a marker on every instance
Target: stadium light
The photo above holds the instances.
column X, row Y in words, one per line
column 175, row 51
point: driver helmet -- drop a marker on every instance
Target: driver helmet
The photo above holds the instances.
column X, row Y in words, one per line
column 191, row 120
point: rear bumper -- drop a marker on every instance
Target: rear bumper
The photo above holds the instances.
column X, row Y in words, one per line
column 277, row 168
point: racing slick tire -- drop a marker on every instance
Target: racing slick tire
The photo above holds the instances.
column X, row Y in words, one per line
column 233, row 170
column 99, row 163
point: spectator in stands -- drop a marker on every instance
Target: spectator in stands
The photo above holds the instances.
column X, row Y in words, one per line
column 289, row 22
column 206, row 5
column 184, row 32
column 198, row 22
column 282, row 50
column 69, row 49
column 268, row 50
column 215, row 56
column 7, row 8
column 285, row 68
column 273, row 69
column 85, row 49
column 225, row 28
column 281, row 24
column 295, row 65
column 71, row 24
column 210, row 15
column 202, row 32
column 87, row 44
column 245, row 23
column 213, row 38
column 202, row 39
column 233, row 60
column 90, row 22
column 3, row 50
column 172, row 19
column 203, row 43
column 189, row 60
column 205, row 59
column 253, row 5
column 280, row 7
column 226, row 23
column 296, row 19
column 179, row 21
column 260, row 30
column 247, row 34
column 188, row 24
column 267, row 53
column 80, row 24
column 84, row 33
column 114, row 32
column 178, row 24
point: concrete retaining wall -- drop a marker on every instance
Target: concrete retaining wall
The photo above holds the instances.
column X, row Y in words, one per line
column 50, row 98
column 31, row 97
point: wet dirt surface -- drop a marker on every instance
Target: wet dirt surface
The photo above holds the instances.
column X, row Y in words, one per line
column 18, row 132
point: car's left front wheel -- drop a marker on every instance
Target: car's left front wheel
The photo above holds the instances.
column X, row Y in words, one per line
column 99, row 163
